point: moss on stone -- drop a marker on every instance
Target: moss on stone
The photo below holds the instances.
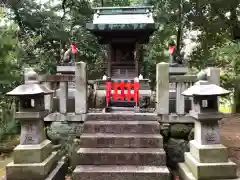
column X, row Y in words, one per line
column 179, row 131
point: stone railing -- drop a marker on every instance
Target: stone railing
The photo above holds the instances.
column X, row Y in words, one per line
column 169, row 88
column 72, row 103
column 179, row 84
column 66, row 100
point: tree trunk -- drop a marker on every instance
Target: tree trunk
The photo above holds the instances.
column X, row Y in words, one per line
column 236, row 105
column 180, row 27
column 234, row 20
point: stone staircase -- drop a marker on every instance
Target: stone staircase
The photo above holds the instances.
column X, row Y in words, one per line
column 121, row 147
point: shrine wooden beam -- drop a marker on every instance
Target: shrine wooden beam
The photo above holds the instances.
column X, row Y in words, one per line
column 60, row 78
column 183, row 79
column 57, row 78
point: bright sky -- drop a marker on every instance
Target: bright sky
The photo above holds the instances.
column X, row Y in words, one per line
column 52, row 2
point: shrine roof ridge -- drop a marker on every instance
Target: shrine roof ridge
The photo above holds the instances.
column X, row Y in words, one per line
column 123, row 10
column 123, row 7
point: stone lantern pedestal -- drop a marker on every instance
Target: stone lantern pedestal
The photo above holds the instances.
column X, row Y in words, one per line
column 33, row 159
column 208, row 158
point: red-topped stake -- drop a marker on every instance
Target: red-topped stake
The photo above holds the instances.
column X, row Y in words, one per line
column 171, row 49
column 74, row 48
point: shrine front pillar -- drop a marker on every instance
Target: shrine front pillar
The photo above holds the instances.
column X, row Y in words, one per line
column 109, row 59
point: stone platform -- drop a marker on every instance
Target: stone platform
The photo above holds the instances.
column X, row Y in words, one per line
column 121, row 147
column 36, row 162
column 207, row 162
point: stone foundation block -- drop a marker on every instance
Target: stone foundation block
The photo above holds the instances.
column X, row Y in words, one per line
column 122, row 156
column 59, row 172
column 121, row 140
column 121, row 173
column 226, row 170
column 34, row 171
column 185, row 173
column 32, row 153
column 215, row 153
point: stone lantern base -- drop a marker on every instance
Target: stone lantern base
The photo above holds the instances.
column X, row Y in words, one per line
column 35, row 162
column 207, row 162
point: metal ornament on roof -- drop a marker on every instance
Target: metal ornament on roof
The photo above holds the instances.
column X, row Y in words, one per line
column 31, row 86
column 205, row 88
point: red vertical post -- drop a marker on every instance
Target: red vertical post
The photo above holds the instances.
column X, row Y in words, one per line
column 122, row 87
column 128, row 85
column 108, row 91
column 136, row 91
column 115, row 95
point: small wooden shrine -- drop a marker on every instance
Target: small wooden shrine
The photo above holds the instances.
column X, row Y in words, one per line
column 124, row 30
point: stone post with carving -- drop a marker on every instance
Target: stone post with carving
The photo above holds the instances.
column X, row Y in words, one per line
column 208, row 158
column 162, row 89
column 33, row 158
column 81, row 96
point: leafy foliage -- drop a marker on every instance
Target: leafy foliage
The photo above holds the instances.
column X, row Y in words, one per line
column 32, row 33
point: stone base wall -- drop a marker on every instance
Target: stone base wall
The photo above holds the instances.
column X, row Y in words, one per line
column 61, row 131
column 176, row 138
column 66, row 134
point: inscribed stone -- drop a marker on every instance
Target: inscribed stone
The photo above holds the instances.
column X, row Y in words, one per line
column 210, row 134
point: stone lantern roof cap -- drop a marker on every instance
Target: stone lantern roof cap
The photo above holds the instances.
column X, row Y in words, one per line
column 30, row 89
column 205, row 88
column 31, row 86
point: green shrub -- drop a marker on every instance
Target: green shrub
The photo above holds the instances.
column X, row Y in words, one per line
column 9, row 126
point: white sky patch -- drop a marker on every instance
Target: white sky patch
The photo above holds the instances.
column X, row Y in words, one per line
column 51, row 2
column 190, row 44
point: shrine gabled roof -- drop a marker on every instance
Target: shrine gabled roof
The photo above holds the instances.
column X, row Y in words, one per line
column 122, row 18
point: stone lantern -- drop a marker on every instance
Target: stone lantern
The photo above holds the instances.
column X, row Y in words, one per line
column 207, row 159
column 33, row 158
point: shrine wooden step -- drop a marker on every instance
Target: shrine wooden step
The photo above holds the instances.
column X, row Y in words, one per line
column 119, row 127
column 112, row 172
column 120, row 109
column 104, row 140
column 122, row 156
column 120, row 103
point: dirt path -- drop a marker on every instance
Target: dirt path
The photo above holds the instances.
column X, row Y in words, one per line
column 4, row 160
column 230, row 137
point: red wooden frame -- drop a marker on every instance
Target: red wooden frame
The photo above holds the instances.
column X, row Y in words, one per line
column 122, row 86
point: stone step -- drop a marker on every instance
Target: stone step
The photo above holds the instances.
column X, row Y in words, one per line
column 111, row 172
column 123, row 116
column 119, row 127
column 101, row 140
column 122, row 156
